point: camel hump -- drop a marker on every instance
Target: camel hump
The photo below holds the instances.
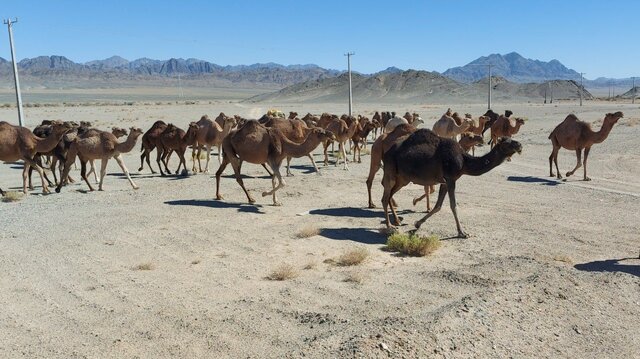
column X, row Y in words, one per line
column 571, row 117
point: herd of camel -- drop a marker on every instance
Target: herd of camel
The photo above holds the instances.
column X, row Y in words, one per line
column 410, row 155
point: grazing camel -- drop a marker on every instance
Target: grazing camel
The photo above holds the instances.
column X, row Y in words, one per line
column 258, row 144
column 209, row 134
column 577, row 135
column 19, row 143
column 103, row 147
column 151, row 141
column 175, row 139
column 503, row 127
column 427, row 159
column 446, row 127
column 343, row 133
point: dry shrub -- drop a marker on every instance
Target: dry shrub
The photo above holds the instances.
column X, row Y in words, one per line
column 354, row 277
column 283, row 272
column 412, row 244
column 12, row 196
column 307, row 231
column 144, row 266
column 353, row 257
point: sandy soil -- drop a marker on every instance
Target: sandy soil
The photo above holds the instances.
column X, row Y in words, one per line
column 550, row 270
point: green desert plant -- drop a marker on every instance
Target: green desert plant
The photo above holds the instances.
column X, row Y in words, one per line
column 412, row 244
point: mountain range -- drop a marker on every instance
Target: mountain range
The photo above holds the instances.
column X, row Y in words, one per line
column 59, row 71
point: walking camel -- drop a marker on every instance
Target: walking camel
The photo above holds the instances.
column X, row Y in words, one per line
column 504, row 127
column 175, row 139
column 19, row 143
column 427, row 159
column 577, row 135
column 210, row 134
column 255, row 143
column 151, row 141
column 103, row 147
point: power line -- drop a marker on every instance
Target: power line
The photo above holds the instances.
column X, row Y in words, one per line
column 348, row 55
column 9, row 24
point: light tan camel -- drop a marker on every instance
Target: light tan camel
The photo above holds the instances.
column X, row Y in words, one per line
column 396, row 121
column 504, row 127
column 116, row 131
column 468, row 141
column 210, row 134
column 343, row 133
column 255, row 143
column 19, row 143
column 446, row 127
column 175, row 139
column 577, row 135
column 102, row 147
column 477, row 130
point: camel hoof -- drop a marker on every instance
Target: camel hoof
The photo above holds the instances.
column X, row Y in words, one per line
column 568, row 174
column 136, row 187
column 416, row 200
column 140, row 169
column 418, row 224
column 264, row 194
column 463, row 235
column 57, row 190
column 252, row 201
column 289, row 174
column 371, row 205
column 219, row 197
column 277, row 204
column 587, row 179
column 559, row 176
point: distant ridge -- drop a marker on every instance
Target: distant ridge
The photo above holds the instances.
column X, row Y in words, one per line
column 513, row 67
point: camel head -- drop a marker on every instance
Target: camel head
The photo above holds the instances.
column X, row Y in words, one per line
column 322, row 133
column 46, row 123
column 613, row 117
column 449, row 113
column 85, row 124
column 204, row 117
column 59, row 127
column 292, row 115
column 417, row 120
column 118, row 132
column 467, row 115
column 135, row 131
column 507, row 147
column 508, row 113
column 519, row 121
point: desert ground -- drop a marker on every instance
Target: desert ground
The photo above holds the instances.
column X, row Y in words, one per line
column 551, row 267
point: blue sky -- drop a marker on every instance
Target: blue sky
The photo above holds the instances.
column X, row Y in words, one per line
column 426, row 35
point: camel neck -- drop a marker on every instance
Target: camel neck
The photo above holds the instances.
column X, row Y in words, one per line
column 127, row 145
column 603, row 133
column 293, row 149
column 476, row 166
column 48, row 143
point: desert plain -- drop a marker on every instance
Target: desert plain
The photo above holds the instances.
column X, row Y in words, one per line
column 551, row 268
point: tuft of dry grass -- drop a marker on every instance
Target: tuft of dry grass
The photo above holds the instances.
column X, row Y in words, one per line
column 353, row 257
column 354, row 277
column 307, row 231
column 563, row 258
column 283, row 272
column 412, row 244
column 144, row 266
column 195, row 261
column 310, row 265
column 12, row 196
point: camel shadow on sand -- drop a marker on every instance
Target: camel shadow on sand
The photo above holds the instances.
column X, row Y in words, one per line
column 531, row 179
column 610, row 265
column 241, row 207
column 360, row 235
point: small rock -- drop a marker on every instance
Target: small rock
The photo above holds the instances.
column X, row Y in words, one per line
column 384, row 347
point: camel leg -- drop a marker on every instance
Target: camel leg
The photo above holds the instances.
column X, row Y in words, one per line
column 223, row 165
column 267, row 169
column 326, row 156
column 83, row 173
column 451, row 185
column 436, row 208
column 289, row 174
column 219, row 153
column 71, row 158
column 237, row 166
column 281, row 184
column 166, row 154
column 206, row 167
column 344, row 156
column 149, row 162
column 555, row 161
column 374, row 167
column 386, row 196
column 30, row 163
column 392, row 203
column 103, row 172
column 142, row 156
column 1, row 192
column 313, row 163
column 183, row 161
column 586, row 154
column 578, row 164
column 93, row 170
column 118, row 158
column 159, row 156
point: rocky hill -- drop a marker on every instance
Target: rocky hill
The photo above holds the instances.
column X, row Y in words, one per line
column 419, row 86
column 512, row 67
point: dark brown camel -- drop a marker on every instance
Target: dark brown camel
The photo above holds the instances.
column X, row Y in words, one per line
column 426, row 159
column 177, row 140
column 151, row 141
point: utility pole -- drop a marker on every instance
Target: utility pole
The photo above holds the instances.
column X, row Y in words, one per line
column 581, row 87
column 348, row 55
column 489, row 102
column 633, row 97
column 9, row 24
column 550, row 93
